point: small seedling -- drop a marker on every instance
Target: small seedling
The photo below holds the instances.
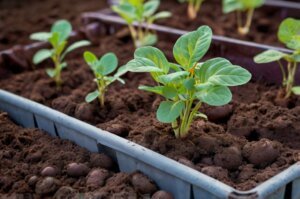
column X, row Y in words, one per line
column 143, row 13
column 241, row 6
column 58, row 37
column 101, row 69
column 289, row 34
column 187, row 84
column 193, row 7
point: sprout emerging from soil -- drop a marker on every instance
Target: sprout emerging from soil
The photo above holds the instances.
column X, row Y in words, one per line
column 101, row 68
column 242, row 6
column 143, row 13
column 193, row 7
column 289, row 34
column 58, row 38
column 187, row 84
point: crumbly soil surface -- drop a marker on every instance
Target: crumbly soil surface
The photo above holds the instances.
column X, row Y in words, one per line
column 264, row 27
column 243, row 144
column 36, row 165
column 18, row 19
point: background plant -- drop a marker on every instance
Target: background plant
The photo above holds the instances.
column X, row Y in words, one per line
column 289, row 34
column 240, row 6
column 101, row 68
column 143, row 13
column 58, row 38
column 193, row 7
column 187, row 84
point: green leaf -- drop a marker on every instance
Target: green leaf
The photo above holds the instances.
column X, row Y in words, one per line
column 201, row 115
column 92, row 96
column 153, row 89
column 126, row 11
column 215, row 95
column 296, row 90
column 148, row 40
column 269, row 56
column 74, row 46
column 287, row 29
column 41, row 36
column 142, row 65
column 191, row 47
column 63, row 28
column 169, row 92
column 51, row 72
column 161, row 15
column 155, row 55
column 41, row 55
column 231, row 5
column 189, row 83
column 294, row 43
column 247, row 4
column 169, row 111
column 173, row 77
column 54, row 40
column 150, row 7
column 90, row 58
column 219, row 71
column 107, row 64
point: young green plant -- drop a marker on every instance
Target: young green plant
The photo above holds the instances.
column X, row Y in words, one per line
column 58, row 38
column 187, row 84
column 289, row 34
column 242, row 6
column 193, row 7
column 101, row 68
column 143, row 13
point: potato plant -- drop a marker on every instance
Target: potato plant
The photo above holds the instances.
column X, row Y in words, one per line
column 289, row 34
column 101, row 68
column 58, row 38
column 193, row 7
column 242, row 6
column 143, row 13
column 187, row 84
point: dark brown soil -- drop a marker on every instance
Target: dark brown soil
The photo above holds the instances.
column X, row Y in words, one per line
column 264, row 25
column 36, row 165
column 268, row 134
column 18, row 19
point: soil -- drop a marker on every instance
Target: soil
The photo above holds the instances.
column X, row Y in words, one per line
column 243, row 144
column 34, row 16
column 36, row 165
column 265, row 22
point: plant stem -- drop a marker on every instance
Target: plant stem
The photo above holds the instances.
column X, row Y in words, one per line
column 101, row 89
column 283, row 73
column 243, row 30
column 57, row 77
column 292, row 68
column 133, row 34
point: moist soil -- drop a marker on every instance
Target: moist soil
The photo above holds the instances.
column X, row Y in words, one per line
column 36, row 165
column 243, row 144
column 264, row 27
column 18, row 19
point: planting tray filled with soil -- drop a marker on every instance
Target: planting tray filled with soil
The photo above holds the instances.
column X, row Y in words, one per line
column 212, row 147
column 36, row 165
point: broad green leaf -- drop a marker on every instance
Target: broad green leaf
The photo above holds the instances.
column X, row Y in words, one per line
column 173, row 77
column 247, row 4
column 169, row 111
column 63, row 28
column 142, row 65
column 294, row 43
column 189, row 83
column 175, row 67
column 150, row 7
column 74, row 46
column 296, row 57
column 148, row 40
column 54, row 39
column 92, row 96
column 161, row 15
column 201, row 115
column 287, row 29
column 169, row 92
column 191, row 47
column 215, row 95
column 41, row 55
column 269, row 56
column 155, row 55
column 296, row 90
column 41, row 36
column 126, row 11
column 90, row 58
column 51, row 72
column 231, row 5
column 153, row 89
column 219, row 71
column 107, row 64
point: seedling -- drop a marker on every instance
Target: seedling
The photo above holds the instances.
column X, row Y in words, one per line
column 140, row 12
column 101, row 69
column 289, row 34
column 193, row 7
column 58, row 38
column 242, row 6
column 187, row 84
